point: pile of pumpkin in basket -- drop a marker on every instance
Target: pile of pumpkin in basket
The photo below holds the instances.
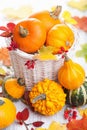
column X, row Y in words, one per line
column 44, row 30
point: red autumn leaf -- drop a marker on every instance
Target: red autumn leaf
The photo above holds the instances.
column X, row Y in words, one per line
column 23, row 115
column 19, row 116
column 37, row 123
column 11, row 26
column 78, row 124
column 81, row 23
column 3, row 28
column 5, row 34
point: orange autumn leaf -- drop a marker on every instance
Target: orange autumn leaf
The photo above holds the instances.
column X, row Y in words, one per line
column 78, row 124
column 81, row 23
column 4, row 56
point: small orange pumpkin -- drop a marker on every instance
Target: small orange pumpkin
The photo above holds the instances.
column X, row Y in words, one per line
column 7, row 112
column 29, row 35
column 71, row 75
column 60, row 35
column 49, row 19
column 13, row 88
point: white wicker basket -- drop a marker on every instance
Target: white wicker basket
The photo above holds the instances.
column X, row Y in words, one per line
column 42, row 69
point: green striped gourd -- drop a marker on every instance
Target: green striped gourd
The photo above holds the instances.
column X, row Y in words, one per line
column 77, row 97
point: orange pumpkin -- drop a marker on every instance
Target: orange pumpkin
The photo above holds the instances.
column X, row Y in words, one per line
column 71, row 75
column 29, row 35
column 13, row 88
column 60, row 35
column 49, row 19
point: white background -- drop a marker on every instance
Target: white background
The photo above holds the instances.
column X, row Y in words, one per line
column 40, row 5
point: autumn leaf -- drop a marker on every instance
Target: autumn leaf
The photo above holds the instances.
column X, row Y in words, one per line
column 19, row 13
column 81, row 23
column 68, row 18
column 80, row 124
column 80, row 5
column 23, row 115
column 82, row 52
column 45, row 53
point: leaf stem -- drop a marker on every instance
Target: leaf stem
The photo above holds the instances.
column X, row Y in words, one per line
column 25, row 125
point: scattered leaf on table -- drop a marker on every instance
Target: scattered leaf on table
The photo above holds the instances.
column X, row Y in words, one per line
column 82, row 52
column 54, row 126
column 80, row 124
column 81, row 23
column 80, row 4
column 68, row 18
column 45, row 53
column 82, row 111
column 22, row 12
column 4, row 56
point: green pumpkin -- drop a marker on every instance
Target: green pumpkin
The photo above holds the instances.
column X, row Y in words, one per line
column 77, row 97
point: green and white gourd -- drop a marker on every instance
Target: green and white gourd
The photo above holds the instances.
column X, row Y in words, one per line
column 77, row 97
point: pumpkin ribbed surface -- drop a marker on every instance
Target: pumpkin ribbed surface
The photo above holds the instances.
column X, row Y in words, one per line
column 7, row 113
column 77, row 97
column 54, row 100
column 60, row 35
column 71, row 75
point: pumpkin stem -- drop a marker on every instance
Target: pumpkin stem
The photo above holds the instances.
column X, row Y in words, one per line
column 55, row 14
column 1, row 102
column 21, row 81
column 23, row 31
column 39, row 97
column 66, row 57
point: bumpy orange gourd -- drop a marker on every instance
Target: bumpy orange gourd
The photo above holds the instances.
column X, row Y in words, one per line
column 13, row 88
column 49, row 19
column 47, row 97
column 29, row 35
column 7, row 112
column 60, row 35
column 71, row 75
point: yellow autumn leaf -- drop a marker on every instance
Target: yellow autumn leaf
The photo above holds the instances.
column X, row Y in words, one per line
column 54, row 126
column 68, row 18
column 80, row 5
column 45, row 53
column 22, row 12
column 82, row 111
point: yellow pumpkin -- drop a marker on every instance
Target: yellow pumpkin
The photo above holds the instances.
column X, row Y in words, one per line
column 13, row 88
column 60, row 35
column 47, row 97
column 7, row 112
column 71, row 75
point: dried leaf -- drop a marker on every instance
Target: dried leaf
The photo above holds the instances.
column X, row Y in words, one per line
column 37, row 123
column 3, row 28
column 4, row 56
column 23, row 115
column 82, row 52
column 5, row 34
column 22, row 12
column 78, row 124
column 68, row 18
column 80, row 4
column 45, row 53
column 81, row 23
column 10, row 26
